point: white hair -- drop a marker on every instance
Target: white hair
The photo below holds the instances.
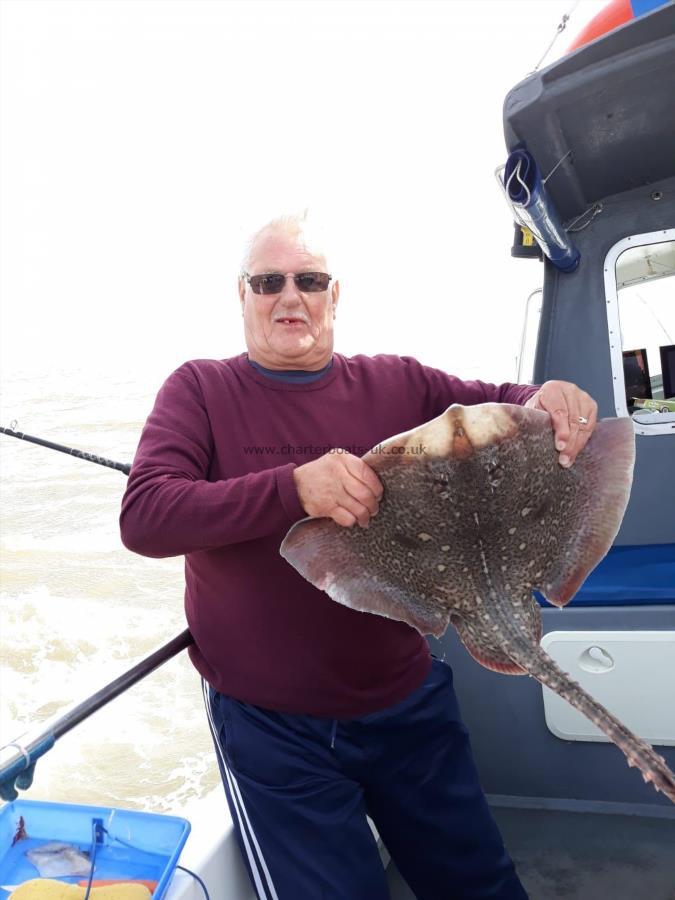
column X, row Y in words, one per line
column 314, row 235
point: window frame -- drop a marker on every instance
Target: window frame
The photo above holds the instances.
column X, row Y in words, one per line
column 614, row 326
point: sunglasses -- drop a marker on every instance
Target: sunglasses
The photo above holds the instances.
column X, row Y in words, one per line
column 273, row 283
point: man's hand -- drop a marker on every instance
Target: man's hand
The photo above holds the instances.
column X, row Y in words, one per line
column 573, row 414
column 340, row 487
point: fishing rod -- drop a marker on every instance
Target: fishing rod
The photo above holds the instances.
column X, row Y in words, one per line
column 22, row 754
column 18, row 757
column 71, row 451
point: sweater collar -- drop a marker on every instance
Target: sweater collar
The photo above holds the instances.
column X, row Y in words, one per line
column 326, row 376
column 291, row 376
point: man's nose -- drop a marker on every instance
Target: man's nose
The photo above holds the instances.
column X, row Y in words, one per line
column 289, row 291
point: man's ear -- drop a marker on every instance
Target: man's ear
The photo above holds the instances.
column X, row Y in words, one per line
column 242, row 292
column 335, row 296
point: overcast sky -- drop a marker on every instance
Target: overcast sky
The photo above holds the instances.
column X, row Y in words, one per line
column 143, row 141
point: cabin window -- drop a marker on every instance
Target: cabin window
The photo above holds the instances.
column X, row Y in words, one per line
column 640, row 294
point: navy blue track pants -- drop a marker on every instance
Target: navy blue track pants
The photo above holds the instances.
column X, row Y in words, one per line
column 299, row 789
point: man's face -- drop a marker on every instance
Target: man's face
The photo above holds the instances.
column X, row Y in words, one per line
column 289, row 330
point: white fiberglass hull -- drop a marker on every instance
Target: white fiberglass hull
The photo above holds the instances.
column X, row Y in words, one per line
column 212, row 852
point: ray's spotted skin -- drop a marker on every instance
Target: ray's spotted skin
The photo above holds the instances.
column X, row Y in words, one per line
column 476, row 513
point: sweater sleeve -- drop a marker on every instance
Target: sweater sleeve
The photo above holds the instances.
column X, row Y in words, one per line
column 444, row 390
column 170, row 508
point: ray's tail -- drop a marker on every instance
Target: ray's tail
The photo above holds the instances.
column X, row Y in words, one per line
column 638, row 752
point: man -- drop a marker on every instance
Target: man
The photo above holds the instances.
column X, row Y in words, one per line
column 320, row 714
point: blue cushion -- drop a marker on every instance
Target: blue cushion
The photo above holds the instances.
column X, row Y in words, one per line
column 629, row 575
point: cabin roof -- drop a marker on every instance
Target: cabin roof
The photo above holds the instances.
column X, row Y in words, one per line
column 611, row 104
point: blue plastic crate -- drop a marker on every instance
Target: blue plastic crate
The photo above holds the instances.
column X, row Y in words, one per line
column 152, row 842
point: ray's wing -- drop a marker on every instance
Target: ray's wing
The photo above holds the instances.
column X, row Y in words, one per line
column 597, row 489
column 329, row 557
column 382, row 569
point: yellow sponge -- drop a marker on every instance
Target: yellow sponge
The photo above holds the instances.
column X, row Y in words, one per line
column 48, row 889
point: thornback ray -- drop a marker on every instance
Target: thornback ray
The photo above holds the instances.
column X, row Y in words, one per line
column 477, row 513
column 56, row 859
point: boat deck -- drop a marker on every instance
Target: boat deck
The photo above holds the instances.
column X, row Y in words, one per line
column 583, row 856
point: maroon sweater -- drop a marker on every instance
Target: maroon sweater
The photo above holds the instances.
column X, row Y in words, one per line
column 213, row 479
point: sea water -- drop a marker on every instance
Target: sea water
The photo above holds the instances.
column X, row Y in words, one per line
column 77, row 609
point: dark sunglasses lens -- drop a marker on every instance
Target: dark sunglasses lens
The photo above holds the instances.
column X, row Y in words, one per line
column 310, row 282
column 267, row 284
column 307, row 282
